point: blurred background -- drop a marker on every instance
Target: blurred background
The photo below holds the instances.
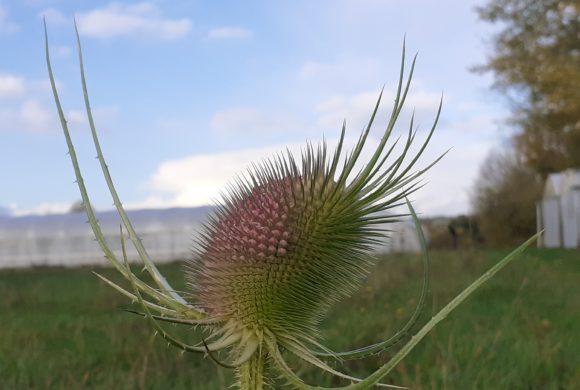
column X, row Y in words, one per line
column 186, row 94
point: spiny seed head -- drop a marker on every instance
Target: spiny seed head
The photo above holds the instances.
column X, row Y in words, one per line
column 266, row 261
column 286, row 244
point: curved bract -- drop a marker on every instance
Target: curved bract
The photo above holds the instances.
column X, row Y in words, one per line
column 291, row 238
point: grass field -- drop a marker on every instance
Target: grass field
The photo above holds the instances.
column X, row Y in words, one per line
column 62, row 329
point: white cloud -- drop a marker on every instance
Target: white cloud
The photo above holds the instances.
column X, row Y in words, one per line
column 357, row 108
column 28, row 106
column 77, row 119
column 202, row 184
column 478, row 124
column 61, row 51
column 237, row 119
column 142, row 20
column 25, row 104
column 223, row 33
column 16, row 87
column 446, row 193
column 424, row 100
column 250, row 120
column 34, row 116
column 53, row 16
column 342, row 73
column 11, row 86
column 449, row 182
column 315, row 69
column 6, row 25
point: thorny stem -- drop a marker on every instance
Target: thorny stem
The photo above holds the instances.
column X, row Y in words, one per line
column 251, row 373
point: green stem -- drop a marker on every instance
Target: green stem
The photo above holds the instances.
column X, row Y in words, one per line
column 251, row 373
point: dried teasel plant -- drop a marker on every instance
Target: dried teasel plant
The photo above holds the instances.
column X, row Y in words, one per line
column 290, row 239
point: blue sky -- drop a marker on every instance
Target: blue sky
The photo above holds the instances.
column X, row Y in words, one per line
column 187, row 93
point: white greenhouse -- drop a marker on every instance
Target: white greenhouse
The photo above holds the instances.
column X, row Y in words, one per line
column 168, row 235
column 67, row 240
column 403, row 238
column 558, row 213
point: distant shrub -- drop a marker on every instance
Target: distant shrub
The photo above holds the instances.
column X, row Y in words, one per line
column 504, row 198
column 466, row 228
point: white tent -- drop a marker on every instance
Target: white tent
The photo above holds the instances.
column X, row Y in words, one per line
column 558, row 213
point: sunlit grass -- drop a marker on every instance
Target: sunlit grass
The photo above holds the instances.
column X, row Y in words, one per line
column 63, row 329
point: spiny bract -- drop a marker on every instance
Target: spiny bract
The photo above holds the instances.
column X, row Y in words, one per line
column 289, row 240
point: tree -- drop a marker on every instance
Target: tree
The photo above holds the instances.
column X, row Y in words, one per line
column 536, row 60
column 504, row 198
column 77, row 207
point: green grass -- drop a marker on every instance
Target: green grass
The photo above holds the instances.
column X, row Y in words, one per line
column 62, row 329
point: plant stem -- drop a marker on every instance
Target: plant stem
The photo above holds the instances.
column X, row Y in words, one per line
column 251, row 373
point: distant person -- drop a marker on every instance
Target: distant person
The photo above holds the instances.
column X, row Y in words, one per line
column 453, row 234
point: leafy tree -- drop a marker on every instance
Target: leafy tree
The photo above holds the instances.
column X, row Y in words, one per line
column 504, row 198
column 536, row 60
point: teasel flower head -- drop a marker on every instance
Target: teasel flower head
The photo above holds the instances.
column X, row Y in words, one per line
column 290, row 239
column 292, row 236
